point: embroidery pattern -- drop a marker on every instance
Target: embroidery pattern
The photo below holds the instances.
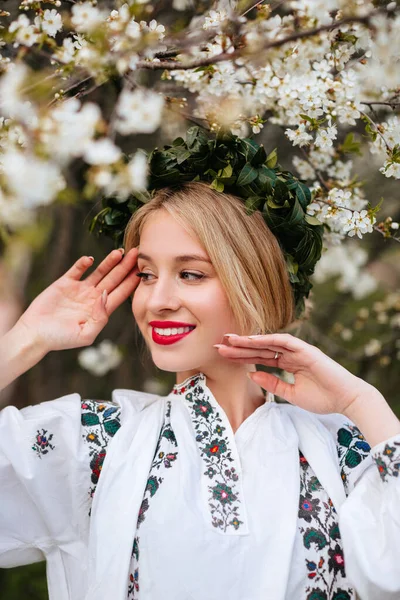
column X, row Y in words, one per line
column 321, row 539
column 100, row 422
column 42, row 444
column 352, row 450
column 164, row 458
column 388, row 461
column 224, row 500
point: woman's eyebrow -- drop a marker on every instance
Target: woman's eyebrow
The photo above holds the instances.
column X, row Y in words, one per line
column 180, row 259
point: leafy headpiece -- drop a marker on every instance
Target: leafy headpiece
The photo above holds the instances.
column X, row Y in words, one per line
column 241, row 167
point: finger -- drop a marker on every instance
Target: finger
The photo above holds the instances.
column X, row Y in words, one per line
column 79, row 267
column 120, row 271
column 122, row 292
column 104, row 268
column 273, row 384
column 259, row 360
column 284, row 340
column 239, row 351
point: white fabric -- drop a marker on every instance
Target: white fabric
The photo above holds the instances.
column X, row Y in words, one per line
column 45, row 505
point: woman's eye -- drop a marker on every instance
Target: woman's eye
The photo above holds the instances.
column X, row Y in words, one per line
column 197, row 276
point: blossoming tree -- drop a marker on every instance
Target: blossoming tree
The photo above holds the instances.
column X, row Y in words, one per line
column 83, row 83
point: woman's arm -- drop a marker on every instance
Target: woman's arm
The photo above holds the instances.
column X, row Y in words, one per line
column 19, row 352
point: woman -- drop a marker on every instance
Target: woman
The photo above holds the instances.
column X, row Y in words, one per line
column 214, row 489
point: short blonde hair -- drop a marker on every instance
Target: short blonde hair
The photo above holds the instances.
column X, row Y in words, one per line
column 244, row 252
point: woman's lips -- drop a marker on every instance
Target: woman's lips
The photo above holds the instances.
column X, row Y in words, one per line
column 166, row 340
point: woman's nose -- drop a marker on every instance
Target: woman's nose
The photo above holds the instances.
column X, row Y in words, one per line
column 163, row 294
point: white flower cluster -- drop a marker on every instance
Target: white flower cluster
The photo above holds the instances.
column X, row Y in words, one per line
column 101, row 359
column 346, row 262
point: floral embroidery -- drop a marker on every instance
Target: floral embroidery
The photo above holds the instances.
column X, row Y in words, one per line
column 42, row 444
column 100, row 422
column 224, row 500
column 321, row 539
column 163, row 458
column 388, row 461
column 352, row 450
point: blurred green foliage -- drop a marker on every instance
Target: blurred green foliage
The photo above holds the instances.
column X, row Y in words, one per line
column 27, row 582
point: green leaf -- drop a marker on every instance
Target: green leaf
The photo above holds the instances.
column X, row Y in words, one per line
column 217, row 185
column 312, row 220
column 350, row 145
column 89, row 419
column 252, row 203
column 246, row 175
column 272, row 159
column 303, row 194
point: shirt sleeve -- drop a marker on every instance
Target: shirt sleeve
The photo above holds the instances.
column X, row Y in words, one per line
column 369, row 519
column 50, row 461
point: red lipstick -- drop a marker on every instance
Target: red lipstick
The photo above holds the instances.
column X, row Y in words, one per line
column 166, row 340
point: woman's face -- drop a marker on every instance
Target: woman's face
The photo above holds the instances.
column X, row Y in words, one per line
column 179, row 289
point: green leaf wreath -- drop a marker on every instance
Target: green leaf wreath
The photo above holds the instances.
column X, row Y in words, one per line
column 241, row 167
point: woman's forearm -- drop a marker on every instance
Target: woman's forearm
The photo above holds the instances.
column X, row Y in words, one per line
column 373, row 416
column 19, row 352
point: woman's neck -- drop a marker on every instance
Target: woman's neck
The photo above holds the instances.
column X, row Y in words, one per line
column 238, row 396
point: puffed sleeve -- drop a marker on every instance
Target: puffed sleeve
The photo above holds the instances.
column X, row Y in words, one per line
column 51, row 456
column 369, row 518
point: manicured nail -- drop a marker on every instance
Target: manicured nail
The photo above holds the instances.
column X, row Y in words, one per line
column 217, row 345
column 91, row 257
column 231, row 335
column 122, row 250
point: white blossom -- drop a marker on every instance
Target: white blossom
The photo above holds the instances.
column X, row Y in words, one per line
column 101, row 152
column 373, row 347
column 51, row 22
column 86, row 17
column 41, row 181
column 139, row 111
column 101, row 359
column 299, row 137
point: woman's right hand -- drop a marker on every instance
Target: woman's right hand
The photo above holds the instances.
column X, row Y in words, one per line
column 70, row 313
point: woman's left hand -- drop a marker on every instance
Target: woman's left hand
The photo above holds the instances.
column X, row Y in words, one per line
column 321, row 384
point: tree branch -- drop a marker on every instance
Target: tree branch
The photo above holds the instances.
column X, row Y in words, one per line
column 211, row 60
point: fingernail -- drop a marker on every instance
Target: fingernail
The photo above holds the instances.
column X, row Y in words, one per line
column 249, row 375
column 91, row 257
column 217, row 345
column 231, row 335
column 122, row 250
column 252, row 337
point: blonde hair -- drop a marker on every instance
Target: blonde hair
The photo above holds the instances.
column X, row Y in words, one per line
column 245, row 254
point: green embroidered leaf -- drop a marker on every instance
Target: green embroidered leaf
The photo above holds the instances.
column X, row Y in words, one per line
column 334, row 532
column 317, row 595
column 344, row 437
column 112, row 426
column 352, row 458
column 152, row 485
column 341, row 595
column 90, row 419
column 313, row 536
